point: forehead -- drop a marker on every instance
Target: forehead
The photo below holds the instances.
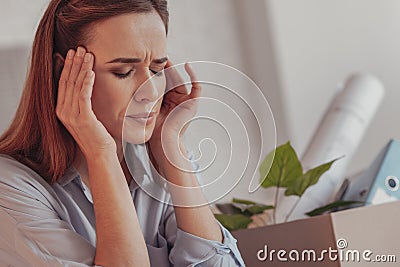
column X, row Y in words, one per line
column 135, row 35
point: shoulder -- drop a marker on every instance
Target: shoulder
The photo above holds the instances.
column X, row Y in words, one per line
column 13, row 172
column 10, row 165
column 17, row 179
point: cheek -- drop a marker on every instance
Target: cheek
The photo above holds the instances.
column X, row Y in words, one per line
column 161, row 85
column 108, row 100
column 158, row 105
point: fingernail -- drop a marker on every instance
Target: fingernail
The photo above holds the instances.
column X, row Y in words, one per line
column 71, row 54
column 80, row 51
column 88, row 57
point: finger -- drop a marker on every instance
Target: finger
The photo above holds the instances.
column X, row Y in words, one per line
column 73, row 75
column 86, row 67
column 174, row 80
column 85, row 102
column 62, row 83
column 169, row 64
column 196, row 87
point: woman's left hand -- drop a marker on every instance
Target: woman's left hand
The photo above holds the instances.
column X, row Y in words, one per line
column 182, row 106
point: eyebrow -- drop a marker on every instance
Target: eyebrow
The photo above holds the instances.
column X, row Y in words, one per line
column 126, row 60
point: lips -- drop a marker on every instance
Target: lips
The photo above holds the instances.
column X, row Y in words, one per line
column 142, row 118
column 145, row 115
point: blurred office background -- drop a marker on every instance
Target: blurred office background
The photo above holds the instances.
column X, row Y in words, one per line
column 297, row 52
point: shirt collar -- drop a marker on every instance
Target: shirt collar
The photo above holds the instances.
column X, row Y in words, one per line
column 70, row 174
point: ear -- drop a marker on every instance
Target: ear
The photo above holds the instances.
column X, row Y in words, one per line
column 58, row 61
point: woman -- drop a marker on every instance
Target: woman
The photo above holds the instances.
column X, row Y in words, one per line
column 66, row 191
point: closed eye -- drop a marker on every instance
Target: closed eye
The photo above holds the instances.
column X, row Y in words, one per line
column 123, row 75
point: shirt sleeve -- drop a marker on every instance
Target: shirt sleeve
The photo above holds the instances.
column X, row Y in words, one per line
column 190, row 250
column 32, row 233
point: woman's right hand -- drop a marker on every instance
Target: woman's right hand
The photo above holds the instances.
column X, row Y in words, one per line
column 112, row 201
column 74, row 107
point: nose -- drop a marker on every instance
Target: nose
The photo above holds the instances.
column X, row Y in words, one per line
column 147, row 90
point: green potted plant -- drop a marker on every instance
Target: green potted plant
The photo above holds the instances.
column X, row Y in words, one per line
column 285, row 172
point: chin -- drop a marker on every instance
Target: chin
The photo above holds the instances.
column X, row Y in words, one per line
column 135, row 134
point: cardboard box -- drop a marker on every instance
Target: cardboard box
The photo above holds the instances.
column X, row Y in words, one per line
column 369, row 232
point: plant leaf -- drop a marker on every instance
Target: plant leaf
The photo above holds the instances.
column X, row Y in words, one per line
column 285, row 168
column 248, row 207
column 243, row 201
column 311, row 177
column 331, row 206
column 233, row 222
column 256, row 209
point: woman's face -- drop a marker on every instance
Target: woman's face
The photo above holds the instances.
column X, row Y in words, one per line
column 128, row 49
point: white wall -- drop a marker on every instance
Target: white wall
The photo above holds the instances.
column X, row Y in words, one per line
column 318, row 43
column 19, row 19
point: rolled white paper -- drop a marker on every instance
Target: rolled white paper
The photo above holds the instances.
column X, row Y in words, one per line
column 339, row 134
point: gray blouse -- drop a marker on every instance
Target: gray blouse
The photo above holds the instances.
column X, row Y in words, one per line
column 54, row 225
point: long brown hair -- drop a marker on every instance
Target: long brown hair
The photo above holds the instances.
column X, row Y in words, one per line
column 36, row 137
